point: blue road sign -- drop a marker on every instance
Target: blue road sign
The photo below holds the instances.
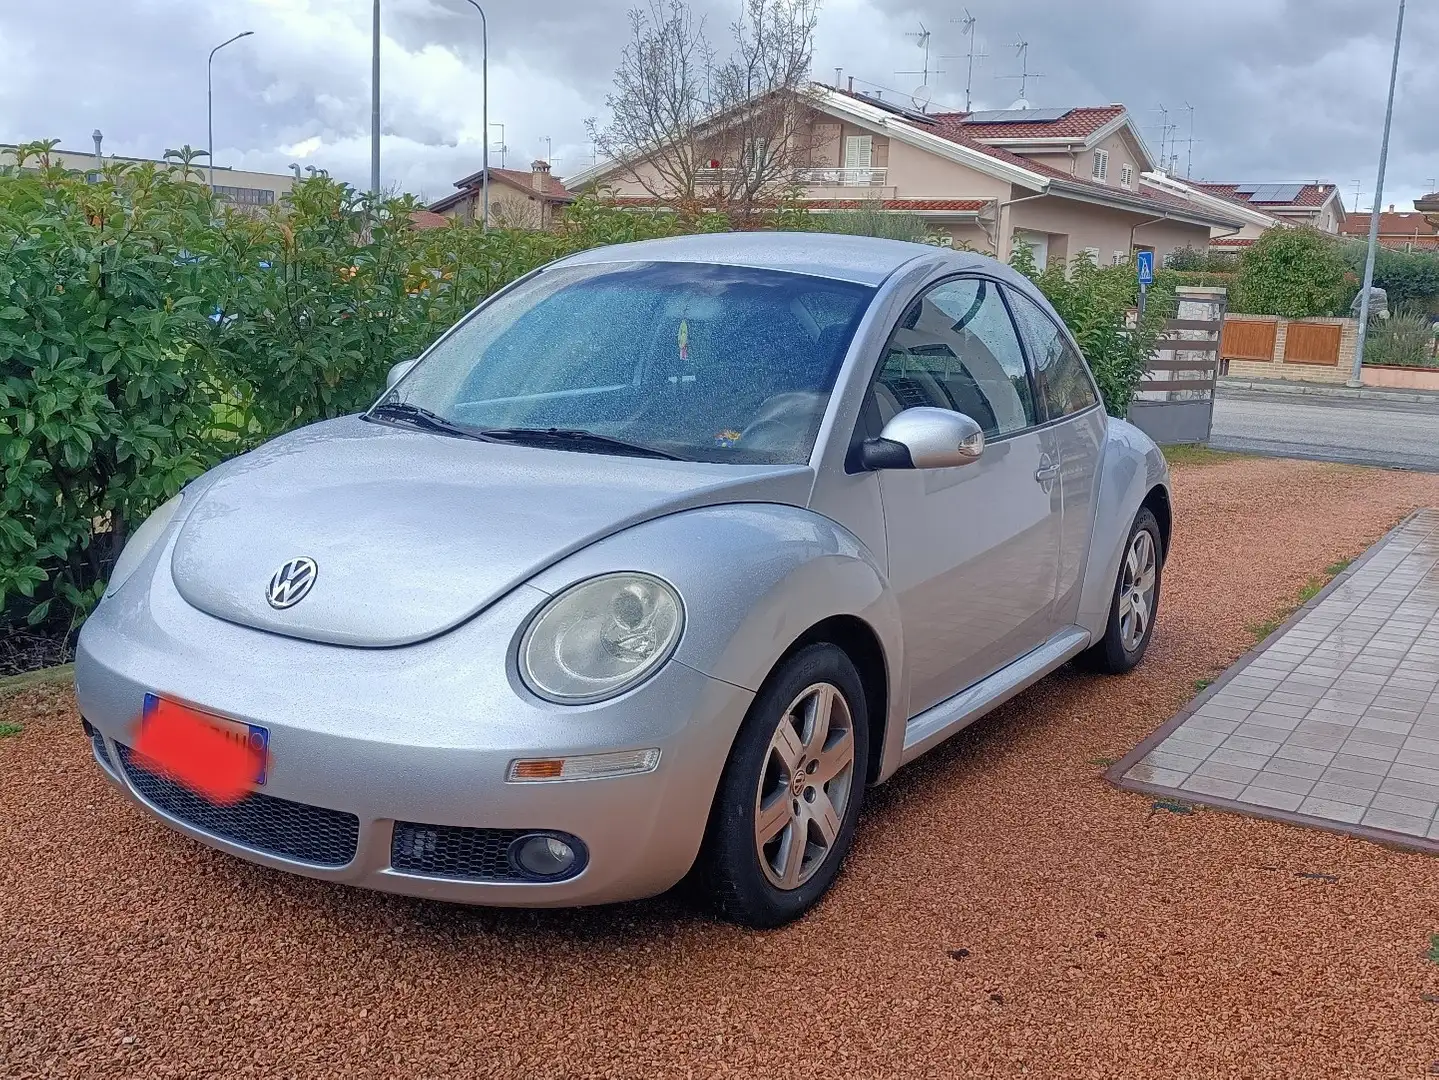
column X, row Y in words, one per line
column 1145, row 262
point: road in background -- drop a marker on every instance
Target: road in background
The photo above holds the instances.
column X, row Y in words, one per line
column 1397, row 434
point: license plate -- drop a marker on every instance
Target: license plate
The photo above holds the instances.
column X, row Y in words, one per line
column 250, row 735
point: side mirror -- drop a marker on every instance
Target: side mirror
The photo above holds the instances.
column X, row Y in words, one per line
column 398, row 372
column 924, row 438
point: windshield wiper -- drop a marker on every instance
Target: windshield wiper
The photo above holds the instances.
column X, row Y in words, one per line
column 576, row 439
column 406, row 413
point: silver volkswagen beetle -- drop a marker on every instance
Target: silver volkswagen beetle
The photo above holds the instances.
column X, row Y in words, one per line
column 646, row 570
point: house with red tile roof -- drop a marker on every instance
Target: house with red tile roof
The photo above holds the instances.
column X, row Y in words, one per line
column 1401, row 231
column 1316, row 204
column 1060, row 181
column 524, row 200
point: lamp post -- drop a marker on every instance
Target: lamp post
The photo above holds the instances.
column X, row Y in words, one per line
column 484, row 116
column 210, row 102
column 375, row 105
column 1355, row 377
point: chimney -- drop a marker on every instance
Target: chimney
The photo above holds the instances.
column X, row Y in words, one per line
column 1391, row 208
column 851, row 84
column 539, row 176
column 99, row 158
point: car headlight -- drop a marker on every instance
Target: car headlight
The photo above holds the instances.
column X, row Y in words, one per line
column 600, row 637
column 140, row 543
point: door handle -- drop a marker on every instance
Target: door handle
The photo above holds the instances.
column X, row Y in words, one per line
column 1046, row 473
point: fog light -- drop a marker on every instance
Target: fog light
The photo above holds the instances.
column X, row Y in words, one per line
column 543, row 856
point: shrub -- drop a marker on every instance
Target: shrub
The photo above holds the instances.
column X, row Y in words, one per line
column 1190, row 258
column 1096, row 304
column 871, row 219
column 1405, row 339
column 1410, row 278
column 1293, row 273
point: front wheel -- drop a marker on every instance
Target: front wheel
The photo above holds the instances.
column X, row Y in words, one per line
column 1136, row 600
column 787, row 803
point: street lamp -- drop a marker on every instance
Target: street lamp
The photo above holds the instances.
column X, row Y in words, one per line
column 375, row 105
column 1355, row 377
column 484, row 115
column 210, row 101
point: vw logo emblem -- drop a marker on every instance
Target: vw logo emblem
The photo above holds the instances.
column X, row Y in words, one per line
column 292, row 583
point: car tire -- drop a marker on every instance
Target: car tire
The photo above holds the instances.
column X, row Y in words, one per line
column 780, row 757
column 1124, row 643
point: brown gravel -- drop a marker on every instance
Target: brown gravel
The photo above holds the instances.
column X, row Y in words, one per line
column 1006, row 911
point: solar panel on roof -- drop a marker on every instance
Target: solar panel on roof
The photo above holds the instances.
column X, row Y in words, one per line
column 1017, row 116
column 1246, row 189
column 1287, row 193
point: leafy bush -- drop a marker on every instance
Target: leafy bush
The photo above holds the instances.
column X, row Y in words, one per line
column 147, row 331
column 872, row 219
column 1293, row 273
column 1190, row 258
column 1096, row 304
column 1410, row 278
column 1405, row 339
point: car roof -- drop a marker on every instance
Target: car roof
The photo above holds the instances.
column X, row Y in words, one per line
column 866, row 260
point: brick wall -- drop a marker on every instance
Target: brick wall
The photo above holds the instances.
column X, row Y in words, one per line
column 1278, row 369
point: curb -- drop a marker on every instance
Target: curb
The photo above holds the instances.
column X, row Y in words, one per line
column 1367, row 393
column 59, row 673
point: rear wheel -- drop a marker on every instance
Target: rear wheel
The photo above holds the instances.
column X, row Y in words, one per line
column 1136, row 600
column 786, row 807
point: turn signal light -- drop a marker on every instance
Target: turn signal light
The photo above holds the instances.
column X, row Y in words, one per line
column 584, row 767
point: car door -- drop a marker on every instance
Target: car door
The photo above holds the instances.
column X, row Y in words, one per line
column 973, row 550
column 1071, row 406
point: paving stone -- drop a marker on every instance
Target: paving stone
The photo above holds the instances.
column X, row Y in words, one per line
column 1222, row 771
column 1399, row 804
column 1148, row 774
column 1255, row 746
column 1224, row 756
column 1344, row 793
column 1276, row 800
column 1174, row 762
column 1334, row 811
column 1287, row 767
column 1354, row 763
column 1212, row 785
column 1275, row 781
column 1385, row 819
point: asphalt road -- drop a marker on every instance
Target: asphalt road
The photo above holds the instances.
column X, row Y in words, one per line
column 1399, row 434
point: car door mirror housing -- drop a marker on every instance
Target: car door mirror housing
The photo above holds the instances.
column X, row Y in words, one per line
column 398, row 372
column 925, row 438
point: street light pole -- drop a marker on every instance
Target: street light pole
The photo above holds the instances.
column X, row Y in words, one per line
column 210, row 103
column 1355, row 378
column 484, row 116
column 375, row 105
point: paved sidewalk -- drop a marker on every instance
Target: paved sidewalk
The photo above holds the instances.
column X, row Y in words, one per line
column 1333, row 721
column 1330, row 390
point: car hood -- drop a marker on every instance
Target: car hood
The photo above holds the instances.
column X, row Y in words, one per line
column 414, row 532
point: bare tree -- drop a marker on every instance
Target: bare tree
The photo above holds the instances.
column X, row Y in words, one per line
column 690, row 131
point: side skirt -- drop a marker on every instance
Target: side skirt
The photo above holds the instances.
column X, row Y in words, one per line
column 939, row 722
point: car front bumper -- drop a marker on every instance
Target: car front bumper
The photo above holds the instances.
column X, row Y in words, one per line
column 423, row 734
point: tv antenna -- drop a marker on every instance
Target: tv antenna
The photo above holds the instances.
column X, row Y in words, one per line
column 1166, row 129
column 1024, row 73
column 1358, row 194
column 976, row 52
column 549, row 149
column 922, row 93
column 1189, row 168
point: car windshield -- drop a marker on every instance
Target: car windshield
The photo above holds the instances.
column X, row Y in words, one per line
column 688, row 360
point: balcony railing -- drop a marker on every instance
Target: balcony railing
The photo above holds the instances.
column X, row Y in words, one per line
column 814, row 177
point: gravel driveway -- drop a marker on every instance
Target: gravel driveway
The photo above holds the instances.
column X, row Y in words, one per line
column 1006, row 911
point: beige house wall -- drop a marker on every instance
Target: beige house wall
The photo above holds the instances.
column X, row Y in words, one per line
column 1085, row 225
column 510, row 208
column 1080, row 162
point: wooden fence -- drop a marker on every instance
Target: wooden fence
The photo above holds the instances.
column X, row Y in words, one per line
column 1174, row 402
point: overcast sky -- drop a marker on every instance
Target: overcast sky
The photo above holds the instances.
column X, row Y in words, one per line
column 1283, row 90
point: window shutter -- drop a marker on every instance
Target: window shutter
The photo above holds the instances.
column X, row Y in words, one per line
column 1101, row 165
column 1126, row 174
column 858, row 151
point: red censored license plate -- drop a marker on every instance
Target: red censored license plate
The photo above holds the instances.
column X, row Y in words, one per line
column 216, row 757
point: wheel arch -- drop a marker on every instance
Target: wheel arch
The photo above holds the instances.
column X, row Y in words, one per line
column 859, row 641
column 1157, row 503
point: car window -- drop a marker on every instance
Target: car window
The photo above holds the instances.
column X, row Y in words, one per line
column 1064, row 383
column 704, row 362
column 956, row 348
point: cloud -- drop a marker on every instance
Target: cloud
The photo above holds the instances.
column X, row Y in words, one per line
column 1282, row 89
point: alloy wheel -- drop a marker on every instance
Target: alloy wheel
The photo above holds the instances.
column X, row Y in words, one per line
column 1136, row 590
column 804, row 786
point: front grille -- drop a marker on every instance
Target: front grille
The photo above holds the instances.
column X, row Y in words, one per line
column 291, row 830
column 456, row 851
